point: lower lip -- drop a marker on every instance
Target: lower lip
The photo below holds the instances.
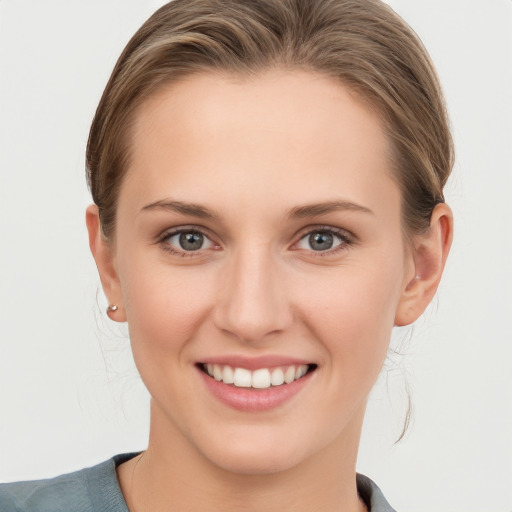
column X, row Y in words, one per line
column 254, row 400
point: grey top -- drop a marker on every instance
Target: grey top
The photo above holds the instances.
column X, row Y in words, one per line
column 96, row 489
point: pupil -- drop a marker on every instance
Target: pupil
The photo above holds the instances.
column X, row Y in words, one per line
column 320, row 241
column 191, row 241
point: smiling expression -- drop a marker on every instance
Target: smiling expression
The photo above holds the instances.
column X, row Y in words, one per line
column 259, row 229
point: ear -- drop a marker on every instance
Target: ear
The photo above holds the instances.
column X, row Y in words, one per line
column 103, row 252
column 429, row 253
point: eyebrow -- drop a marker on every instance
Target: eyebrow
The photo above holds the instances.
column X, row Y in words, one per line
column 195, row 210
column 299, row 212
column 313, row 210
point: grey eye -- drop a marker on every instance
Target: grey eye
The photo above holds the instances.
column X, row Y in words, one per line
column 189, row 241
column 320, row 241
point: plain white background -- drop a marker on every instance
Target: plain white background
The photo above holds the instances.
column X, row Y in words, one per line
column 69, row 395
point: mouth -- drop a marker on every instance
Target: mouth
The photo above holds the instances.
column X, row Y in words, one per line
column 260, row 378
column 251, row 386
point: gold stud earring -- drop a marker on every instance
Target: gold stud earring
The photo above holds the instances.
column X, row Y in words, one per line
column 112, row 308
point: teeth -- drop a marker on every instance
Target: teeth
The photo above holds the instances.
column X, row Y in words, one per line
column 217, row 372
column 242, row 378
column 227, row 375
column 259, row 379
column 301, row 371
column 277, row 377
column 289, row 374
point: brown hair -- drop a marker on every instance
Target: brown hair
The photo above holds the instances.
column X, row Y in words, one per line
column 362, row 43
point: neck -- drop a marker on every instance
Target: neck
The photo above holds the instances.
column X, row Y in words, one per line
column 172, row 475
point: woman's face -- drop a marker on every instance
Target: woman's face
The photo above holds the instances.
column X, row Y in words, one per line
column 259, row 230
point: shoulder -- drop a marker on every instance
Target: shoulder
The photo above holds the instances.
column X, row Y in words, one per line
column 55, row 494
column 371, row 495
column 93, row 489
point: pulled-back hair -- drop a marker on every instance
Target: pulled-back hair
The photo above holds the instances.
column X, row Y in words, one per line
column 362, row 43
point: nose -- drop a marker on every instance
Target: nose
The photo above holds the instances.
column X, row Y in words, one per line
column 254, row 302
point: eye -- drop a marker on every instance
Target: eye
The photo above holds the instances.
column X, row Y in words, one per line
column 188, row 241
column 321, row 240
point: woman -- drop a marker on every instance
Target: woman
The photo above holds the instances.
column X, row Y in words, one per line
column 268, row 183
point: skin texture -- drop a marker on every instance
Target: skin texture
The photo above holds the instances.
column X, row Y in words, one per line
column 254, row 151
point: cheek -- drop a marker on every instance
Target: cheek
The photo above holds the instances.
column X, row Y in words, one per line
column 165, row 312
column 353, row 313
column 165, row 306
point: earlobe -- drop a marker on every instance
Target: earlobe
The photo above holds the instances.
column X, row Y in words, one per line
column 102, row 251
column 429, row 255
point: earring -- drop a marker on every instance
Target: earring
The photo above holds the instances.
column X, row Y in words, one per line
column 112, row 308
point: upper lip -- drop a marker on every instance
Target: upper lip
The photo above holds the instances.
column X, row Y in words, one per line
column 254, row 363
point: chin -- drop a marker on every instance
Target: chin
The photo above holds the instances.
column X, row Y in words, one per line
column 256, row 462
column 263, row 453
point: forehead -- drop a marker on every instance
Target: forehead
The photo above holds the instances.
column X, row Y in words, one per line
column 242, row 137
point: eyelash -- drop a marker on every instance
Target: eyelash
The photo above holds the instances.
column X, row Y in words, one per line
column 346, row 239
column 163, row 241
